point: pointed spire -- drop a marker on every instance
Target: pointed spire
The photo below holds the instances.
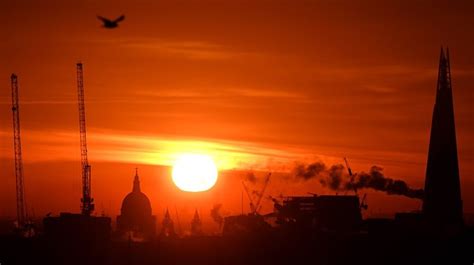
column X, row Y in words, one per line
column 442, row 200
column 196, row 215
column 136, row 182
column 444, row 72
column 196, row 219
column 441, row 56
column 196, row 225
column 167, row 228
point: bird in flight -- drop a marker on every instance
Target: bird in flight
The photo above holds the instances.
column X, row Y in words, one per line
column 110, row 24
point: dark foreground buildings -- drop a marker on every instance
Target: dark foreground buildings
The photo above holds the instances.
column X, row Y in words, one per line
column 442, row 205
column 77, row 227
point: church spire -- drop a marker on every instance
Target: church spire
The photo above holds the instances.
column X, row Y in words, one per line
column 196, row 225
column 167, row 227
column 136, row 182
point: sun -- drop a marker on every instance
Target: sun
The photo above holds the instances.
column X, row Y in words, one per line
column 194, row 172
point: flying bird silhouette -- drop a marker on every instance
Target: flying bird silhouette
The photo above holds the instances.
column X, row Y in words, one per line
column 110, row 24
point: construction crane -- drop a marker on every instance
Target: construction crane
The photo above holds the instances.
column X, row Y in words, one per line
column 352, row 176
column 260, row 195
column 363, row 202
column 255, row 207
column 22, row 215
column 252, row 206
column 87, row 202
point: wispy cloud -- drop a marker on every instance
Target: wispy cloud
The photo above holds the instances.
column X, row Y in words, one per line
column 147, row 149
column 374, row 71
column 380, row 89
column 223, row 92
column 266, row 93
column 189, row 49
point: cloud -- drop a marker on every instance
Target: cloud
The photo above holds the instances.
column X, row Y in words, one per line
column 265, row 93
column 189, row 49
column 223, row 92
column 145, row 149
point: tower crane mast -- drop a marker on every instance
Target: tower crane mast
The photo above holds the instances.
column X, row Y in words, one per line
column 21, row 212
column 352, row 176
column 252, row 206
column 255, row 207
column 260, row 195
column 87, row 202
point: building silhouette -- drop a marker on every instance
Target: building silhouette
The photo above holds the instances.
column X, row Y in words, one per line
column 136, row 217
column 442, row 203
column 196, row 225
column 167, row 226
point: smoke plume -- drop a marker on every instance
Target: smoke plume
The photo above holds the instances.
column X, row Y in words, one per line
column 216, row 214
column 376, row 180
column 309, row 171
column 336, row 178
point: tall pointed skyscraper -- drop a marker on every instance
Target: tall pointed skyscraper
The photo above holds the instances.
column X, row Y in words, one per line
column 442, row 202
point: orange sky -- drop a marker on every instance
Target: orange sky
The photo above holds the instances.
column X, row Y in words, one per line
column 257, row 84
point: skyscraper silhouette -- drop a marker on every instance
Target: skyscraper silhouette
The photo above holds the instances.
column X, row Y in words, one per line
column 442, row 201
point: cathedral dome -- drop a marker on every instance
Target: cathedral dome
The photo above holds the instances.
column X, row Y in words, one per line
column 136, row 204
column 136, row 218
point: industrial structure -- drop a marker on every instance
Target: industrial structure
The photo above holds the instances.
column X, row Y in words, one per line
column 83, row 226
column 252, row 223
column 334, row 213
column 442, row 204
column 136, row 217
column 87, row 203
column 24, row 225
column 21, row 212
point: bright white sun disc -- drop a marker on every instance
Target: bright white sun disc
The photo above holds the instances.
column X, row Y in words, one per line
column 194, row 172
